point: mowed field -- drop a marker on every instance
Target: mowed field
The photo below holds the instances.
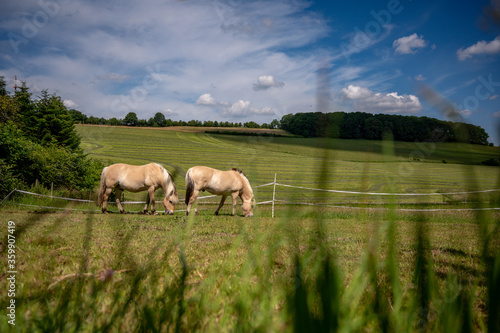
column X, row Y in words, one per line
column 311, row 268
column 344, row 165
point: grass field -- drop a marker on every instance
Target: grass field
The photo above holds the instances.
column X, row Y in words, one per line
column 346, row 165
column 309, row 269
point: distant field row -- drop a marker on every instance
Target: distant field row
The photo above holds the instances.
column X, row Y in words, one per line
column 350, row 165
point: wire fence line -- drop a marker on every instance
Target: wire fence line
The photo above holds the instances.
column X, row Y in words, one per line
column 278, row 201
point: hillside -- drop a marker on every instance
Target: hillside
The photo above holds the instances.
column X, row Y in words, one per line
column 350, row 165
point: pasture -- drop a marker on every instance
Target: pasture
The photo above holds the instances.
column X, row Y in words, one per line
column 345, row 165
column 310, row 268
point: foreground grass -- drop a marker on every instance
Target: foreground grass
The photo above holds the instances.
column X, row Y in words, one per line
column 308, row 270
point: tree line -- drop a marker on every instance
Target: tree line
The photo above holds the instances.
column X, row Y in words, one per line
column 360, row 125
column 159, row 120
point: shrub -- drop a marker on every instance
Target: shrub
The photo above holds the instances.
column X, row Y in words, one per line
column 491, row 162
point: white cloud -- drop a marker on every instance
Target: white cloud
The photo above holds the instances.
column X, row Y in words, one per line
column 409, row 44
column 243, row 109
column 239, row 109
column 366, row 100
column 420, row 77
column 70, row 104
column 356, row 92
column 482, row 47
column 265, row 82
column 466, row 113
column 169, row 113
column 206, row 99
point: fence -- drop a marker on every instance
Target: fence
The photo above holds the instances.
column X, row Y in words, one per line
column 313, row 200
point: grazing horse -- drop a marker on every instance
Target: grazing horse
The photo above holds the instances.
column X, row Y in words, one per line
column 232, row 182
column 136, row 178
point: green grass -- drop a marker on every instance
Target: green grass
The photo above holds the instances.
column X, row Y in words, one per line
column 130, row 272
column 308, row 269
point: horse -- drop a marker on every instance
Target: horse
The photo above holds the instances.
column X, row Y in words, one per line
column 137, row 178
column 225, row 183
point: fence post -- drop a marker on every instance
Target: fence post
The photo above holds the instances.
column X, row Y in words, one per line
column 274, row 194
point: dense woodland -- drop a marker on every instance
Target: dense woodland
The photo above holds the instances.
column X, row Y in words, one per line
column 360, row 125
column 39, row 144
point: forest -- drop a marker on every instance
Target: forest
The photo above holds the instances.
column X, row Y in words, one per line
column 360, row 125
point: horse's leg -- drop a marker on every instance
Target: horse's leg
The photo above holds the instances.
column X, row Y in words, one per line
column 151, row 191
column 105, row 197
column 235, row 200
column 145, row 210
column 221, row 204
column 118, row 194
column 194, row 195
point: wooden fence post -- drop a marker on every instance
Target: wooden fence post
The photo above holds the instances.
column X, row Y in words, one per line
column 274, row 194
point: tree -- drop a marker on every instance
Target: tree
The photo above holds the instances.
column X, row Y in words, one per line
column 251, row 124
column 54, row 122
column 131, row 119
column 373, row 129
column 3, row 91
column 274, row 124
column 26, row 110
column 77, row 116
column 159, row 120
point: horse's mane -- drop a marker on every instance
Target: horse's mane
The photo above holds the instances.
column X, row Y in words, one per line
column 169, row 174
column 239, row 171
column 244, row 177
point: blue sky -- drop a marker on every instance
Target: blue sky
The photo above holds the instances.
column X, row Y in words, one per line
column 256, row 60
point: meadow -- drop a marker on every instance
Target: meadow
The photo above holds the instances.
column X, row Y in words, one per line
column 364, row 266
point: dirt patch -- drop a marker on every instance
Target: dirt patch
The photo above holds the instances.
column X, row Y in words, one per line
column 194, row 129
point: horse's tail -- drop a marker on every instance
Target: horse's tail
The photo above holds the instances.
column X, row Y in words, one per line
column 189, row 186
column 102, row 187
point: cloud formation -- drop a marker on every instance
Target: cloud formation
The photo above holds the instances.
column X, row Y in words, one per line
column 238, row 109
column 265, row 82
column 482, row 47
column 165, row 56
column 206, row 99
column 409, row 44
column 366, row 100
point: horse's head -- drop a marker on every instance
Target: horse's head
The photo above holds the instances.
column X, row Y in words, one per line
column 248, row 207
column 170, row 201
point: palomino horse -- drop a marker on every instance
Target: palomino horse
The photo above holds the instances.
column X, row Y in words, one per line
column 232, row 182
column 135, row 178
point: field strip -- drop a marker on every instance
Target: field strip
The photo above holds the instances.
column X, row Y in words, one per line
column 293, row 203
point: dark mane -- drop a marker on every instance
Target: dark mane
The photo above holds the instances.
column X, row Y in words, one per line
column 238, row 171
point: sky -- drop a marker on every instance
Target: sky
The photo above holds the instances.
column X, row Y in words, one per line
column 240, row 61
